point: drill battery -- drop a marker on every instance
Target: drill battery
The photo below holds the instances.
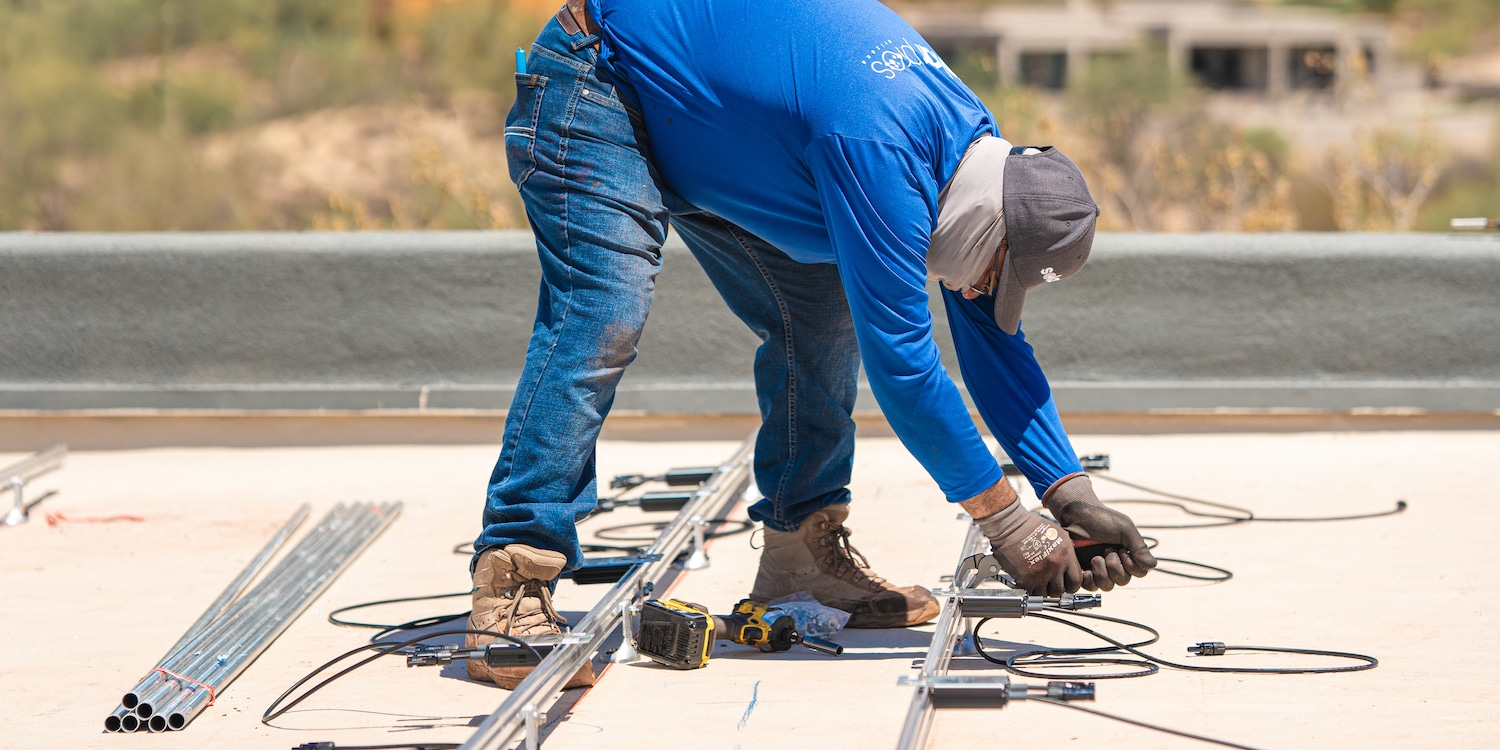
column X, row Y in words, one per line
column 675, row 634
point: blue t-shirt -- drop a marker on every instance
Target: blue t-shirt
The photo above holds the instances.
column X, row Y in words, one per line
column 827, row 128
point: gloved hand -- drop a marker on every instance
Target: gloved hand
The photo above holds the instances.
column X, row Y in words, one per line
column 1033, row 550
column 1074, row 504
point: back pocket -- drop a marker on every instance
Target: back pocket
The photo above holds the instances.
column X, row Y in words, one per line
column 520, row 126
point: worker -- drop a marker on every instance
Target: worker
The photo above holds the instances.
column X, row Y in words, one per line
column 822, row 163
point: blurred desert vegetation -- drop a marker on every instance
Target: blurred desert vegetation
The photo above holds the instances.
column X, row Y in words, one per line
column 123, row 115
column 120, row 115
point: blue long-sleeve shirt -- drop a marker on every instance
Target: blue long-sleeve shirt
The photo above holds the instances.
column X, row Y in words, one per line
column 827, row 128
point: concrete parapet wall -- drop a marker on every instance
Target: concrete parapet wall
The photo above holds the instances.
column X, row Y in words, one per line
column 438, row 322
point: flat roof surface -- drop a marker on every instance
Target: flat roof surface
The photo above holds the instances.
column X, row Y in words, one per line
column 90, row 607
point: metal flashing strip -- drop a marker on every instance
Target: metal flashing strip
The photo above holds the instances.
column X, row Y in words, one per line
column 523, row 713
column 945, row 635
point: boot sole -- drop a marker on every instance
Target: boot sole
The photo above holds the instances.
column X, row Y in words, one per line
column 906, row 619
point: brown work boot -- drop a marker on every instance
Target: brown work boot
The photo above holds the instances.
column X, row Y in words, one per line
column 817, row 558
column 511, row 597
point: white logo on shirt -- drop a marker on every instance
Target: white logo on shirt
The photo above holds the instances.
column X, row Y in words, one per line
column 889, row 58
column 1049, row 276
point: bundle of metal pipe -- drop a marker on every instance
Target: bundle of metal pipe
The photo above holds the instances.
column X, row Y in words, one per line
column 235, row 630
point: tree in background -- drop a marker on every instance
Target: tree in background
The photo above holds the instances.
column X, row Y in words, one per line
column 1381, row 182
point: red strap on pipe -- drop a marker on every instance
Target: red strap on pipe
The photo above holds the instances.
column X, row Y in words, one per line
column 174, row 675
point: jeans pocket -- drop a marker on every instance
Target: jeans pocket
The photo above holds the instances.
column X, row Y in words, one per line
column 608, row 99
column 521, row 124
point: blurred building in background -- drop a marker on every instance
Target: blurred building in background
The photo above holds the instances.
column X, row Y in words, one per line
column 1228, row 46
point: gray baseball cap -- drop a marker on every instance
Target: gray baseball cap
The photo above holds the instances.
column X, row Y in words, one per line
column 1049, row 226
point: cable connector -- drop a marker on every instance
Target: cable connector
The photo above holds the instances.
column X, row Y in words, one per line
column 1075, row 602
column 1095, row 462
column 1060, row 690
column 1207, row 648
column 493, row 655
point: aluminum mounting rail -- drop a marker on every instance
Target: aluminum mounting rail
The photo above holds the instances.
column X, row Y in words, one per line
column 945, row 636
column 521, row 716
column 17, row 475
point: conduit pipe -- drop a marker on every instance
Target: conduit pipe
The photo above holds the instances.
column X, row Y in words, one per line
column 194, row 698
column 154, row 686
column 230, row 636
column 225, row 599
column 302, row 567
column 116, row 721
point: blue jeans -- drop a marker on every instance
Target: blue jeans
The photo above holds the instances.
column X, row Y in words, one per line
column 806, row 369
column 582, row 165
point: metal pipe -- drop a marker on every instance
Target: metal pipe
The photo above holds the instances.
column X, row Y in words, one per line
column 945, row 633
column 299, row 568
column 235, row 587
column 251, row 615
column 130, row 723
column 112, row 722
column 33, row 466
column 173, row 662
column 716, row 496
column 155, row 686
column 226, row 673
column 222, row 603
column 18, row 474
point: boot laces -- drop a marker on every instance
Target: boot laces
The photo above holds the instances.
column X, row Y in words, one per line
column 538, row 589
column 844, row 560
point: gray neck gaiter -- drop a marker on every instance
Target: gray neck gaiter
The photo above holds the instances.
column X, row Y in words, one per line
column 971, row 216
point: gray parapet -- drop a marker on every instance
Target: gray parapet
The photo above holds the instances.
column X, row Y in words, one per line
column 438, row 322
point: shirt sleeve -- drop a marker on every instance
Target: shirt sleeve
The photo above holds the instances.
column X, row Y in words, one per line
column 880, row 203
column 1007, row 384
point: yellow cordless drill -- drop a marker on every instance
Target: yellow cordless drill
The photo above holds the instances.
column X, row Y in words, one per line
column 681, row 635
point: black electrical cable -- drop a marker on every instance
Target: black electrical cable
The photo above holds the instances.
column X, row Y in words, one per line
column 1242, row 515
column 389, row 628
column 380, row 649
column 1080, row 657
column 333, row 616
column 616, row 533
column 1142, row 724
column 49, row 494
column 1224, row 573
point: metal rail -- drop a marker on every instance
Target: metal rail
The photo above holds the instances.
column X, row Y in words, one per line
column 945, row 636
column 17, row 475
column 523, row 713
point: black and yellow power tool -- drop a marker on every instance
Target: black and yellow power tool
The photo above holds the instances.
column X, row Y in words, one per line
column 681, row 635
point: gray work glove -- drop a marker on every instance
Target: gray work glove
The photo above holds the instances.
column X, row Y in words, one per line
column 1033, row 550
column 1073, row 503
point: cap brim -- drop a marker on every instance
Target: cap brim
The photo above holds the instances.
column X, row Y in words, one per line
column 1009, row 297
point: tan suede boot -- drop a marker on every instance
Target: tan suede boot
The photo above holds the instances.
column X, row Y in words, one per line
column 511, row 597
column 817, row 558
